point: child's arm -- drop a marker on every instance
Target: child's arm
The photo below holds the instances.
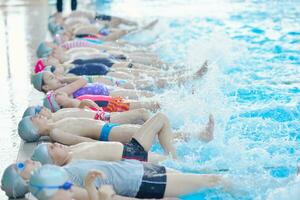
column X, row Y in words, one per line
column 72, row 87
column 88, row 103
column 68, row 138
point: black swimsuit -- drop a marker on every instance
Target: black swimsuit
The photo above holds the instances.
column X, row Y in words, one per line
column 105, row 61
column 153, row 183
column 103, row 17
column 135, row 151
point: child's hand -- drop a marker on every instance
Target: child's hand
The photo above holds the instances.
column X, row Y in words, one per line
column 91, row 176
column 106, row 192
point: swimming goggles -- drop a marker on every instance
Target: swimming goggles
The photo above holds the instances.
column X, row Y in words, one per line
column 49, row 95
column 38, row 109
column 66, row 186
column 20, row 166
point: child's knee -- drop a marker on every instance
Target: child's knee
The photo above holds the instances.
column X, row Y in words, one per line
column 144, row 113
column 161, row 116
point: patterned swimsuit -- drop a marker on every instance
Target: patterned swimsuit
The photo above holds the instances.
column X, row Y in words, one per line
column 92, row 89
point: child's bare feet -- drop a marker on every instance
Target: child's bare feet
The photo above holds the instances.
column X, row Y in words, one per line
column 203, row 70
column 208, row 134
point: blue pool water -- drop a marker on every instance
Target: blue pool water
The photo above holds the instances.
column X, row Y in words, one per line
column 252, row 88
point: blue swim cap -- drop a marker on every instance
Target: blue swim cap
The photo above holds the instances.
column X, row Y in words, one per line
column 50, row 102
column 54, row 28
column 51, row 26
column 37, row 80
column 12, row 183
column 46, row 181
column 43, row 50
column 41, row 154
column 27, row 131
column 32, row 111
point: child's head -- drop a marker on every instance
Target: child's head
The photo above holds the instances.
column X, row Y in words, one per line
column 34, row 110
column 56, row 100
column 15, row 177
column 48, row 153
column 47, row 181
column 46, row 81
column 44, row 49
column 31, row 127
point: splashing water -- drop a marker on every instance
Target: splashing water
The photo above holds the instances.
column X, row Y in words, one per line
column 252, row 89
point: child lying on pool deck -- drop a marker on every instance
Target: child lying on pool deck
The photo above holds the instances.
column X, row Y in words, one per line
column 138, row 147
column 46, row 81
column 137, row 116
column 129, row 178
column 72, row 131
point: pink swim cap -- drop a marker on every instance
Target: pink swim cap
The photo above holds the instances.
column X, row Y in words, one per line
column 40, row 66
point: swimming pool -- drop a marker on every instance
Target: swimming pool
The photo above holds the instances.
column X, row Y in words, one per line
column 252, row 88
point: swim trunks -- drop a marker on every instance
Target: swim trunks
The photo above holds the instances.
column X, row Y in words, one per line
column 103, row 17
column 101, row 115
column 133, row 150
column 89, row 69
column 106, row 131
column 95, row 41
column 84, row 35
column 104, row 32
column 120, row 82
column 154, row 182
column 103, row 61
column 120, row 57
column 130, row 65
column 116, row 104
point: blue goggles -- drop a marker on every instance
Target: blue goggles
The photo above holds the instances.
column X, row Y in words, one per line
column 66, row 186
column 20, row 166
column 38, row 109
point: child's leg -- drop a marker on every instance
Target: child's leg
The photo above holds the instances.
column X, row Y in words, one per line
column 149, row 105
column 59, row 5
column 129, row 65
column 73, row 5
column 156, row 158
column 145, row 60
column 206, row 135
column 131, row 94
column 159, row 126
column 115, row 35
column 121, row 75
column 138, row 72
column 127, row 22
column 138, row 116
column 123, row 133
column 184, row 183
column 108, row 80
column 181, row 79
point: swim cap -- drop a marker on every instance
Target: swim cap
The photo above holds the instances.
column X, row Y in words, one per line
column 32, row 111
column 36, row 80
column 54, row 28
column 12, row 183
column 46, row 181
column 51, row 26
column 41, row 154
column 43, row 50
column 39, row 66
column 27, row 130
column 50, row 103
